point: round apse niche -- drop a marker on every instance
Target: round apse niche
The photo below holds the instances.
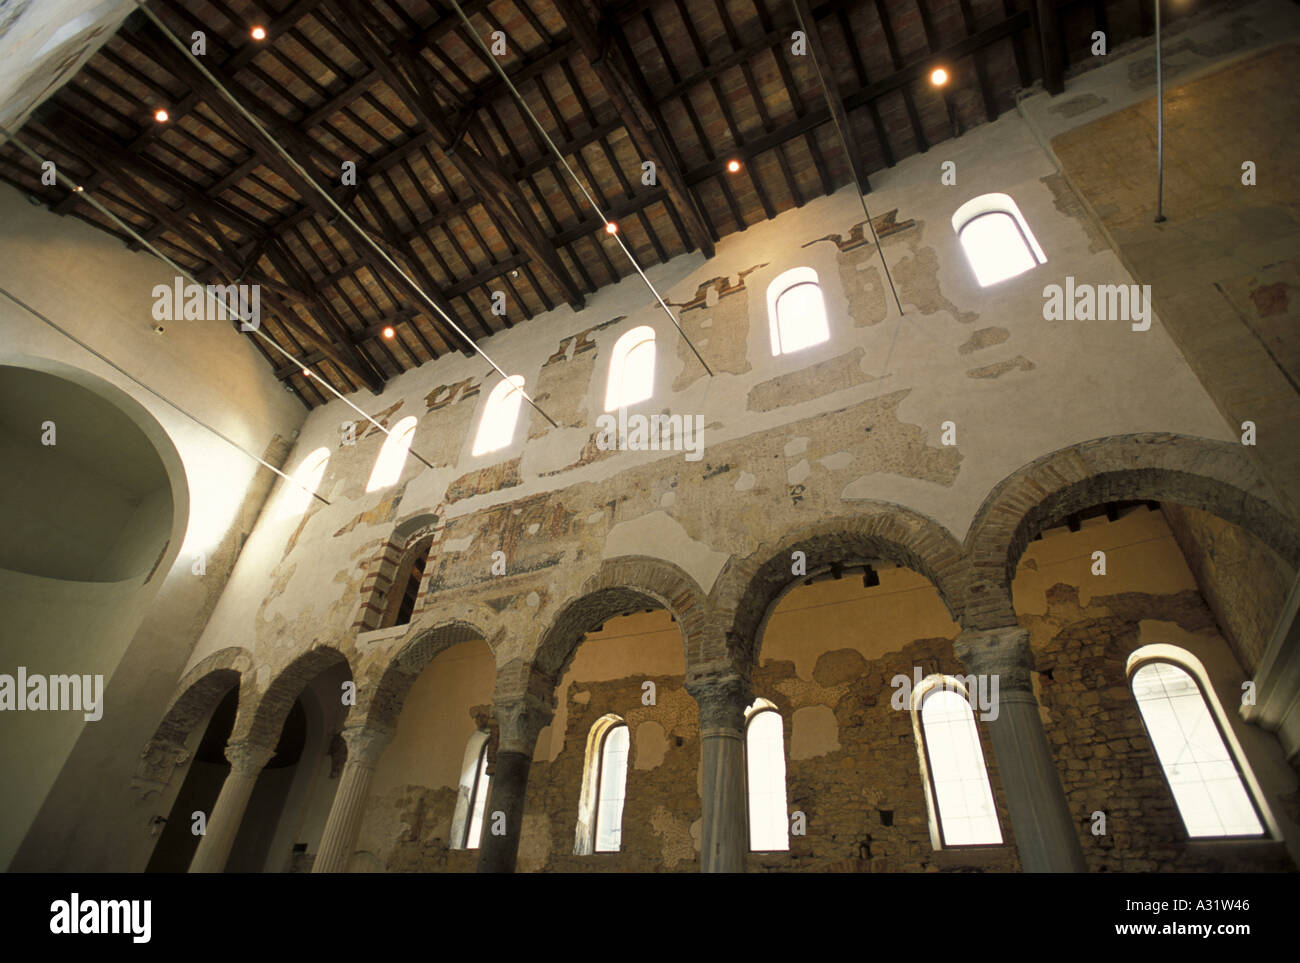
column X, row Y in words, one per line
column 84, row 495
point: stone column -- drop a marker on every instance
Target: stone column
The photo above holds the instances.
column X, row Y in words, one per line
column 365, row 745
column 519, row 722
column 1046, row 838
column 724, row 836
column 246, row 762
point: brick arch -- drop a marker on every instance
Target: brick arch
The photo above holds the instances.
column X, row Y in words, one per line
column 199, row 692
column 1214, row 476
column 260, row 722
column 620, row 584
column 748, row 587
column 379, row 703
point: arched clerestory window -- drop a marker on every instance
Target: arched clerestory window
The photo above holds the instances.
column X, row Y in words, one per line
column 298, row 493
column 769, row 823
column 1197, row 752
column 500, row 414
column 631, row 369
column 957, row 788
column 996, row 238
column 604, row 787
column 796, row 311
column 392, row 456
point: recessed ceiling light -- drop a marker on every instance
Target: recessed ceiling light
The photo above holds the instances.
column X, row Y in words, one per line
column 733, row 166
column 938, row 76
column 161, row 116
column 306, row 373
column 389, row 332
column 611, row 227
column 258, row 33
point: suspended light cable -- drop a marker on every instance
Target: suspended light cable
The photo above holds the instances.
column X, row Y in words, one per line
column 311, row 181
column 528, row 111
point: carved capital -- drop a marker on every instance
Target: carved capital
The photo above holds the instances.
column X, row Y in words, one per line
column 366, row 744
column 1003, row 652
column 722, row 700
column 518, row 722
column 158, row 761
column 247, row 758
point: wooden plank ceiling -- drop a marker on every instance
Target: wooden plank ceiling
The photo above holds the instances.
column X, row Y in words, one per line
column 454, row 182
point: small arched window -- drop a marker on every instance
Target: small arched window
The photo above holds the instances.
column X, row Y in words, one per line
column 405, row 591
column 392, row 456
column 476, row 781
column 796, row 311
column 631, row 369
column 769, row 826
column 996, row 238
column 957, row 788
column 305, row 479
column 1184, row 721
column 500, row 414
column 604, row 787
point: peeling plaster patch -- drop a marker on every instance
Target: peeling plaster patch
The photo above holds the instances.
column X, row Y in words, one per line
column 984, row 338
column 859, row 276
column 534, row 843
column 459, row 544
column 659, row 535
column 812, row 382
column 841, row 459
column 651, row 745
column 799, row 473
column 917, row 279
column 1077, row 105
column 534, row 528
column 1068, row 203
column 668, row 499
column 1271, row 299
column 591, row 453
column 715, row 301
column 679, row 844
column 533, row 600
column 745, row 482
column 491, row 479
column 796, row 446
column 385, row 511
column 814, row 732
column 802, row 692
column 1001, row 367
column 582, row 698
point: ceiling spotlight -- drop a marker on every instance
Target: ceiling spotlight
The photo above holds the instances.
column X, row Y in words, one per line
column 733, row 166
column 611, row 227
column 161, row 116
column 306, row 373
column 388, row 332
column 258, row 33
column 938, row 76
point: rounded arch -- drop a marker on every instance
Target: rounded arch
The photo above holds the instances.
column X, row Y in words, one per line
column 1213, row 476
column 380, row 703
column 259, row 722
column 748, row 588
column 199, row 692
column 620, row 585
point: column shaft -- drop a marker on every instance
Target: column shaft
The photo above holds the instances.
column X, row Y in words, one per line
column 724, row 835
column 227, row 815
column 365, row 746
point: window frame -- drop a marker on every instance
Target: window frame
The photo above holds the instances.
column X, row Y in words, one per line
column 1230, row 745
column 783, row 284
column 493, row 400
column 760, row 706
column 928, row 687
column 983, row 205
column 600, row 775
column 403, row 434
column 297, row 484
column 618, row 365
column 473, row 797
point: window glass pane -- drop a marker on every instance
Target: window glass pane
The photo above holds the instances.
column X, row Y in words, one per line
column 478, row 803
column 801, row 317
column 961, row 784
column 611, row 792
column 1202, row 774
column 298, row 494
column 499, row 416
column 392, row 456
column 769, row 828
column 995, row 248
column 631, row 369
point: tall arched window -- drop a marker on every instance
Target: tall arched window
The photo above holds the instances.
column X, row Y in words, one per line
column 996, row 238
column 631, row 369
column 957, row 788
column 306, row 477
column 467, row 821
column 1184, row 720
column 796, row 311
column 769, row 826
column 500, row 413
column 604, row 787
column 392, row 456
